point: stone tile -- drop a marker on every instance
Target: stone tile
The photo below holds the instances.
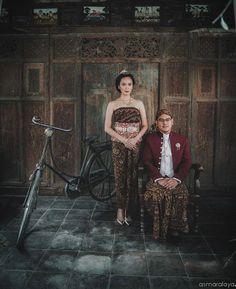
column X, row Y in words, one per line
column 165, row 264
column 44, row 202
column 14, row 279
column 131, row 282
column 39, row 240
column 67, row 241
column 98, row 243
column 124, row 230
column 197, row 265
column 220, row 245
column 129, row 263
column 88, row 281
column 14, row 225
column 101, row 228
column 47, row 225
column 170, row 283
column 105, row 206
column 58, row 261
column 218, row 230
column 128, row 243
column 62, row 204
column 38, row 213
column 152, row 245
column 74, row 226
column 79, row 215
column 45, row 280
column 23, row 260
column 104, row 216
column 55, row 215
column 93, row 263
column 86, row 204
column 190, row 244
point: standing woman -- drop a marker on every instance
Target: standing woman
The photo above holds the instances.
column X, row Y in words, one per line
column 126, row 123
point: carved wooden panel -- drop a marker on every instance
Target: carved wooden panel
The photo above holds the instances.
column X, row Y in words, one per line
column 10, row 79
column 176, row 79
column 9, row 142
column 180, row 112
column 36, row 48
column 142, row 47
column 65, row 47
column 207, row 47
column 205, row 135
column 10, row 48
column 227, row 80
column 34, row 79
column 33, row 136
column 104, row 47
column 228, row 47
column 176, row 46
column 226, row 157
column 64, row 144
column 206, row 81
column 64, row 80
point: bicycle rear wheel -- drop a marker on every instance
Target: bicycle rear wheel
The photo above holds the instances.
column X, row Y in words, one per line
column 29, row 206
column 100, row 176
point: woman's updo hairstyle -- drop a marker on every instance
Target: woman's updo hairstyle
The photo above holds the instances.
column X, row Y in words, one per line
column 122, row 74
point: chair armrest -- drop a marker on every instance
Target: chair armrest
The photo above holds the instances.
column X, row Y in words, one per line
column 198, row 169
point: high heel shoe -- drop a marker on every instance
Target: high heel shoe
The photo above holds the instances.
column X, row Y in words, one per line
column 126, row 221
column 120, row 222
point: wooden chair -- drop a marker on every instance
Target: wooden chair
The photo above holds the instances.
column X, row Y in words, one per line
column 193, row 184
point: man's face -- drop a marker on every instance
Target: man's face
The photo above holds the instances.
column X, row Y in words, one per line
column 164, row 123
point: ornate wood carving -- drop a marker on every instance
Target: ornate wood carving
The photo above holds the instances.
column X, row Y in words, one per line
column 36, row 48
column 104, row 47
column 142, row 47
column 207, row 47
column 228, row 47
column 65, row 47
column 10, row 48
column 176, row 46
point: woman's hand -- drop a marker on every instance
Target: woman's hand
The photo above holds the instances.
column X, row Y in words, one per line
column 131, row 143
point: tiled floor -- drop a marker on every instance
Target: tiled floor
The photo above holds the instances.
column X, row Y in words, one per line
column 75, row 244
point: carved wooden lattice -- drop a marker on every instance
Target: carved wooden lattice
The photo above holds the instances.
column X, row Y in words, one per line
column 176, row 46
column 10, row 48
column 98, row 48
column 35, row 48
column 228, row 48
column 207, row 47
column 142, row 47
column 66, row 47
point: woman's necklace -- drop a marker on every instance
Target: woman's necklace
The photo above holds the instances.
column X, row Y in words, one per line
column 126, row 101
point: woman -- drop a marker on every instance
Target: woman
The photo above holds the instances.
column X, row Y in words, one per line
column 126, row 123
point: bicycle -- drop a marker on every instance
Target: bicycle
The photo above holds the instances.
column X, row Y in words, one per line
column 96, row 174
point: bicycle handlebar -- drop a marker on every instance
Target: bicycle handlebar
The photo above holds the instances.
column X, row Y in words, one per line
column 36, row 121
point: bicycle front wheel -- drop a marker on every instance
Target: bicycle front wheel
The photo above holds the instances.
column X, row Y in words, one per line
column 29, row 206
column 100, row 176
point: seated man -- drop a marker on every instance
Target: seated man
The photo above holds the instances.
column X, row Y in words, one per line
column 167, row 158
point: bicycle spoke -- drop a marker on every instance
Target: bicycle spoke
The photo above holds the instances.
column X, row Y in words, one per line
column 101, row 176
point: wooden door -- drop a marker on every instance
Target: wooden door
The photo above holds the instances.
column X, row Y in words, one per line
column 99, row 89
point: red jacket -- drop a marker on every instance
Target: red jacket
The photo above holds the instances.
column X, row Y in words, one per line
column 180, row 150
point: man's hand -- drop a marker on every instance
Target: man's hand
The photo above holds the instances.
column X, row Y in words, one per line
column 168, row 183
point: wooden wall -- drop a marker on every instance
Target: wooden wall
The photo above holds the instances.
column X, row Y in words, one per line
column 68, row 78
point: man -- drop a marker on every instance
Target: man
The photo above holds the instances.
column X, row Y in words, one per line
column 167, row 158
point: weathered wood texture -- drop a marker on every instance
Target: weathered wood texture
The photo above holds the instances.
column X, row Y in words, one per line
column 68, row 79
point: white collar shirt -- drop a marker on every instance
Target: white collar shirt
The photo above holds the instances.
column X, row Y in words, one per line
column 166, row 168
